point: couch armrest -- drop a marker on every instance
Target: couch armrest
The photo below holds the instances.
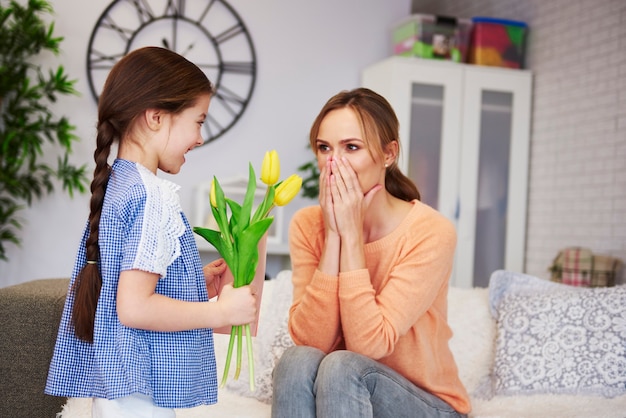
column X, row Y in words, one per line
column 30, row 313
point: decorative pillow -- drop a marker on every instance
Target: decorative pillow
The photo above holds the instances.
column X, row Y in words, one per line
column 271, row 341
column 554, row 338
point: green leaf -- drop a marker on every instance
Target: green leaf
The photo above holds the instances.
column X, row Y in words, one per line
column 216, row 239
column 235, row 209
column 219, row 213
column 248, row 251
column 248, row 200
column 266, row 204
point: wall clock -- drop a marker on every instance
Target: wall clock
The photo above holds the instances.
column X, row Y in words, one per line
column 209, row 33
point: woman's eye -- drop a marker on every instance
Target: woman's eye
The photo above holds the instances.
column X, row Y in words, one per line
column 352, row 147
column 322, row 148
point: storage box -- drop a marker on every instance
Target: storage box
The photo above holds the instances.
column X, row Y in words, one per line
column 430, row 36
column 498, row 42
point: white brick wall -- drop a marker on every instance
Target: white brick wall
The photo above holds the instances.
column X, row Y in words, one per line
column 577, row 187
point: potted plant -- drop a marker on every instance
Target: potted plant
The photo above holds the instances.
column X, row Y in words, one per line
column 310, row 178
column 27, row 125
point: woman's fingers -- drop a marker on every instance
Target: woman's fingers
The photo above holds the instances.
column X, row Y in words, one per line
column 346, row 180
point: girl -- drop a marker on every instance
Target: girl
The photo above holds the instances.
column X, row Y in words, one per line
column 371, row 266
column 135, row 333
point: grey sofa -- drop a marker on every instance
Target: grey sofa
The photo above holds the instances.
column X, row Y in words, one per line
column 30, row 313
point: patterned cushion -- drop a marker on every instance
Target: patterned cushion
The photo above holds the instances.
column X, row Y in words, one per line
column 554, row 338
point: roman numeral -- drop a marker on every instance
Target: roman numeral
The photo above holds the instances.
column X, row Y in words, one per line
column 110, row 24
column 175, row 8
column 229, row 33
column 144, row 12
column 101, row 61
column 238, row 67
column 206, row 11
column 228, row 97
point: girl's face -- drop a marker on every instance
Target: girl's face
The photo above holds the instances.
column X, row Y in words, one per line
column 184, row 135
column 340, row 135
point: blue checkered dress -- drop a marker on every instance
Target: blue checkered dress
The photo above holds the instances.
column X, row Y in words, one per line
column 177, row 369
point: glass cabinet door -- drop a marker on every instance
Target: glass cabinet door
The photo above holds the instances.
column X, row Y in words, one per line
column 493, row 177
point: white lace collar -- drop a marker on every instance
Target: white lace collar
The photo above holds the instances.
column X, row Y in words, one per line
column 162, row 224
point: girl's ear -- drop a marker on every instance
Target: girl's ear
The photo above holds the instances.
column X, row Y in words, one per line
column 153, row 118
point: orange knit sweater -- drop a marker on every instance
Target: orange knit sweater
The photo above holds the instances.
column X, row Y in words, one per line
column 395, row 311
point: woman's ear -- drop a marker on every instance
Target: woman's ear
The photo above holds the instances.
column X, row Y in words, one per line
column 391, row 153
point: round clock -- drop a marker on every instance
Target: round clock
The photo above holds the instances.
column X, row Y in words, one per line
column 208, row 33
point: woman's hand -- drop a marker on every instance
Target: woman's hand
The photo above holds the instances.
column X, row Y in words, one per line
column 213, row 275
column 349, row 203
column 326, row 199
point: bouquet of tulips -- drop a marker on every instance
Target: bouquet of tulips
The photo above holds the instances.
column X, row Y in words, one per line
column 239, row 235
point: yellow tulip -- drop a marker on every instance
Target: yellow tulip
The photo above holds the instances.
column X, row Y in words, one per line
column 212, row 195
column 287, row 190
column 270, row 170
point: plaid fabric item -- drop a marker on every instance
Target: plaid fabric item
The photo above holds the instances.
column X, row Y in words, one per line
column 577, row 267
column 605, row 269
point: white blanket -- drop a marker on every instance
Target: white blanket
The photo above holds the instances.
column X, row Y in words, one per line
column 472, row 344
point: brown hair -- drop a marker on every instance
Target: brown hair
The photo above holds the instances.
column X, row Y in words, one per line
column 380, row 127
column 146, row 78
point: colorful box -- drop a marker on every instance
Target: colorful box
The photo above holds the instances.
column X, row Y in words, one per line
column 431, row 36
column 498, row 42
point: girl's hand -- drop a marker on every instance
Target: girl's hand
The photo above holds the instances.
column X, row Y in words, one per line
column 238, row 305
column 213, row 276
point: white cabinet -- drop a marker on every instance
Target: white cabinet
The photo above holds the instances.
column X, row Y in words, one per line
column 464, row 134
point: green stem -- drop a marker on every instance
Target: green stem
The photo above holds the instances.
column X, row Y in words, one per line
column 250, row 357
column 231, row 344
column 239, row 350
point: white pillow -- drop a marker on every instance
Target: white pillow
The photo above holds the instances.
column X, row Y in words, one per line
column 473, row 334
column 558, row 339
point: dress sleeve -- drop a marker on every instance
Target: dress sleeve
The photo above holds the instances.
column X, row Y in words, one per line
column 157, row 227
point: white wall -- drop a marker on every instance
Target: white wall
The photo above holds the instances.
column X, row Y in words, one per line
column 577, row 186
column 307, row 51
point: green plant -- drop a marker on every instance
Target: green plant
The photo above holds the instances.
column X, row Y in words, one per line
column 310, row 179
column 26, row 122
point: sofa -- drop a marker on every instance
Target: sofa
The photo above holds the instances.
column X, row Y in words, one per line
column 505, row 344
column 30, row 315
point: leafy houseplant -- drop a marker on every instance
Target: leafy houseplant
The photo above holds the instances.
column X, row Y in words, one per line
column 26, row 122
column 311, row 178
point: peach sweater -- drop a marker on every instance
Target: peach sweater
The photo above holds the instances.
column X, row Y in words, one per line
column 395, row 311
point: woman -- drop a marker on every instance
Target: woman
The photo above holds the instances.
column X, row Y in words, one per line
column 371, row 266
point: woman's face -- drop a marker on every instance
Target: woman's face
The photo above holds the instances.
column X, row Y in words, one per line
column 340, row 135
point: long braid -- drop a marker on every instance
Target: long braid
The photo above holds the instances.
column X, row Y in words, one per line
column 89, row 281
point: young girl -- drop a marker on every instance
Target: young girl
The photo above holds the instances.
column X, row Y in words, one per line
column 371, row 266
column 135, row 334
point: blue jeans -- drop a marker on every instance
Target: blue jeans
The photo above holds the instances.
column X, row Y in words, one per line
column 308, row 384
